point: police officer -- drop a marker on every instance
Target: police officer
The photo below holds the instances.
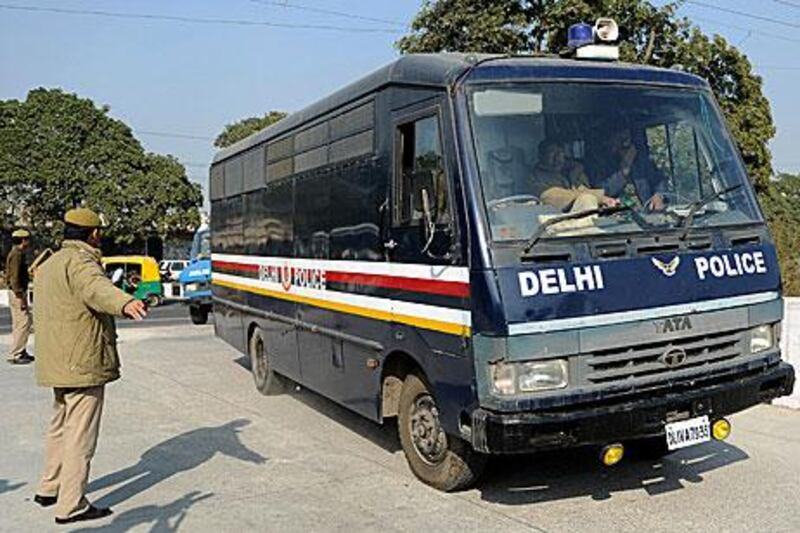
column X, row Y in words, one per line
column 76, row 356
column 17, row 281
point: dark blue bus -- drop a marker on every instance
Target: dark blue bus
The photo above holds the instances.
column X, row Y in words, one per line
column 507, row 254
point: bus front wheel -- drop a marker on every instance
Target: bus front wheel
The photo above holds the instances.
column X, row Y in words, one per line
column 441, row 461
column 199, row 314
column 266, row 380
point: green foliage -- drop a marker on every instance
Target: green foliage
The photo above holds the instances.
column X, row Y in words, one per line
column 237, row 131
column 58, row 151
column 781, row 204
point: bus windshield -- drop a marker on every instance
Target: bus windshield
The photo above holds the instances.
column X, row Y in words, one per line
column 549, row 149
column 201, row 245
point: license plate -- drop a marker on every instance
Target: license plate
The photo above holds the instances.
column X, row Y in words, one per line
column 688, row 432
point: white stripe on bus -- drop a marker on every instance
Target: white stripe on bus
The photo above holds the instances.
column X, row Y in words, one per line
column 380, row 268
column 561, row 324
column 444, row 314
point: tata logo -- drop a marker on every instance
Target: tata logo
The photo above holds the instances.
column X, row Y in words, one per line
column 678, row 323
column 670, row 268
column 674, row 357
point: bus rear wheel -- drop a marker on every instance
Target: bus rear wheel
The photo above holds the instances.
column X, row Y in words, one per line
column 267, row 381
column 441, row 461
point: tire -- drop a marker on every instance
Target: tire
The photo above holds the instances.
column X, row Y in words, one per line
column 650, row 448
column 153, row 300
column 441, row 461
column 267, row 381
column 199, row 314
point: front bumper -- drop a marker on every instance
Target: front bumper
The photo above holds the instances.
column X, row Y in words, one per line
column 198, row 297
column 641, row 416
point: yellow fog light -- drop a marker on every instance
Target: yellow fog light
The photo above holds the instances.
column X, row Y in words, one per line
column 612, row 454
column 721, row 429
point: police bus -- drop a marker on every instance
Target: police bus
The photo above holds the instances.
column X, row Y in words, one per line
column 507, row 254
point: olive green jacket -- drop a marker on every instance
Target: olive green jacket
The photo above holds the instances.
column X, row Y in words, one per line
column 17, row 271
column 73, row 317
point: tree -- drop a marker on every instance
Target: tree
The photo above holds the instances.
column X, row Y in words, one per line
column 58, row 151
column 237, row 131
column 649, row 34
column 781, row 205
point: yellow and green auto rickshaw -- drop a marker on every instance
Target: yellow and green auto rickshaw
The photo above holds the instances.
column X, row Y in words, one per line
column 137, row 275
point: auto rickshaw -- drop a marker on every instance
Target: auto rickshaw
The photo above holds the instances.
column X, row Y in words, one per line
column 137, row 275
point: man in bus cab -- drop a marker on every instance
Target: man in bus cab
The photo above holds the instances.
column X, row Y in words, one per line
column 562, row 183
column 627, row 174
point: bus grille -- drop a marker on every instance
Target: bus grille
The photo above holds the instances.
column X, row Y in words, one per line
column 642, row 360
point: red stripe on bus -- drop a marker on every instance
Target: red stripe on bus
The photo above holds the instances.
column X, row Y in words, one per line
column 235, row 266
column 445, row 288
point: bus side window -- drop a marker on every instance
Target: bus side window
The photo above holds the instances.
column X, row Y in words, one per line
column 421, row 167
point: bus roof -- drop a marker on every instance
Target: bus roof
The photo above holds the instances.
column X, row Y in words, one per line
column 441, row 70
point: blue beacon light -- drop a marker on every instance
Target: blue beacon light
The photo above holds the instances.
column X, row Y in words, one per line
column 580, row 34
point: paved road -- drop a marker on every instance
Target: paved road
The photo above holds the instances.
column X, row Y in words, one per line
column 188, row 444
column 171, row 313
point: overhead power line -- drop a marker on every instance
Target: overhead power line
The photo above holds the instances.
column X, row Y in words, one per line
column 352, row 16
column 194, row 20
column 764, row 34
column 744, row 14
column 174, row 135
column 787, row 3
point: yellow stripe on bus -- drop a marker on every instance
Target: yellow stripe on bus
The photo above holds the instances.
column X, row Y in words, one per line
column 425, row 323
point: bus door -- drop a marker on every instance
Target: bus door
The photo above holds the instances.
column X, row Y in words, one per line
column 422, row 221
column 431, row 294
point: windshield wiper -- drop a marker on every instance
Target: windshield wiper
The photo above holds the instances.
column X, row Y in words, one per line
column 686, row 221
column 599, row 211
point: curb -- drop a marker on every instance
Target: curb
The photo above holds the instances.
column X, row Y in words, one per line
column 790, row 347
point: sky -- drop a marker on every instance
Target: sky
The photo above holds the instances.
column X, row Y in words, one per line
column 173, row 79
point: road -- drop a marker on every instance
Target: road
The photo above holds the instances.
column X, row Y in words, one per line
column 188, row 444
column 170, row 313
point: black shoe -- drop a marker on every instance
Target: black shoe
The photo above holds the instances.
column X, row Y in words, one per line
column 91, row 513
column 21, row 360
column 45, row 501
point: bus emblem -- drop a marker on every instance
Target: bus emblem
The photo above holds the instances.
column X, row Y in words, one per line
column 668, row 269
column 673, row 357
column 286, row 277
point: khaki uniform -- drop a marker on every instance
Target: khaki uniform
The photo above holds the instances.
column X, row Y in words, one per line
column 561, row 191
column 17, row 279
column 76, row 355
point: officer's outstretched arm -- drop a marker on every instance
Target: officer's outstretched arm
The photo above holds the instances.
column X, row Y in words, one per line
column 95, row 289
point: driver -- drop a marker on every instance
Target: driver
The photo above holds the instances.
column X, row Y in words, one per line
column 632, row 175
column 562, row 183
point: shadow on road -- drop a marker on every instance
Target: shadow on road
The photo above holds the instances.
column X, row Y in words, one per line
column 384, row 435
column 160, row 518
column 568, row 474
column 178, row 454
column 8, row 486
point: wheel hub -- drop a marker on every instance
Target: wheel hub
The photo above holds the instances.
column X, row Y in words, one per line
column 430, row 441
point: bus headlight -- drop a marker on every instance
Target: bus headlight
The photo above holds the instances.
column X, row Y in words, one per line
column 534, row 376
column 761, row 338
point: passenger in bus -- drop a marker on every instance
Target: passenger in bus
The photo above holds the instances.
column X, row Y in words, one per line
column 562, row 183
column 628, row 174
